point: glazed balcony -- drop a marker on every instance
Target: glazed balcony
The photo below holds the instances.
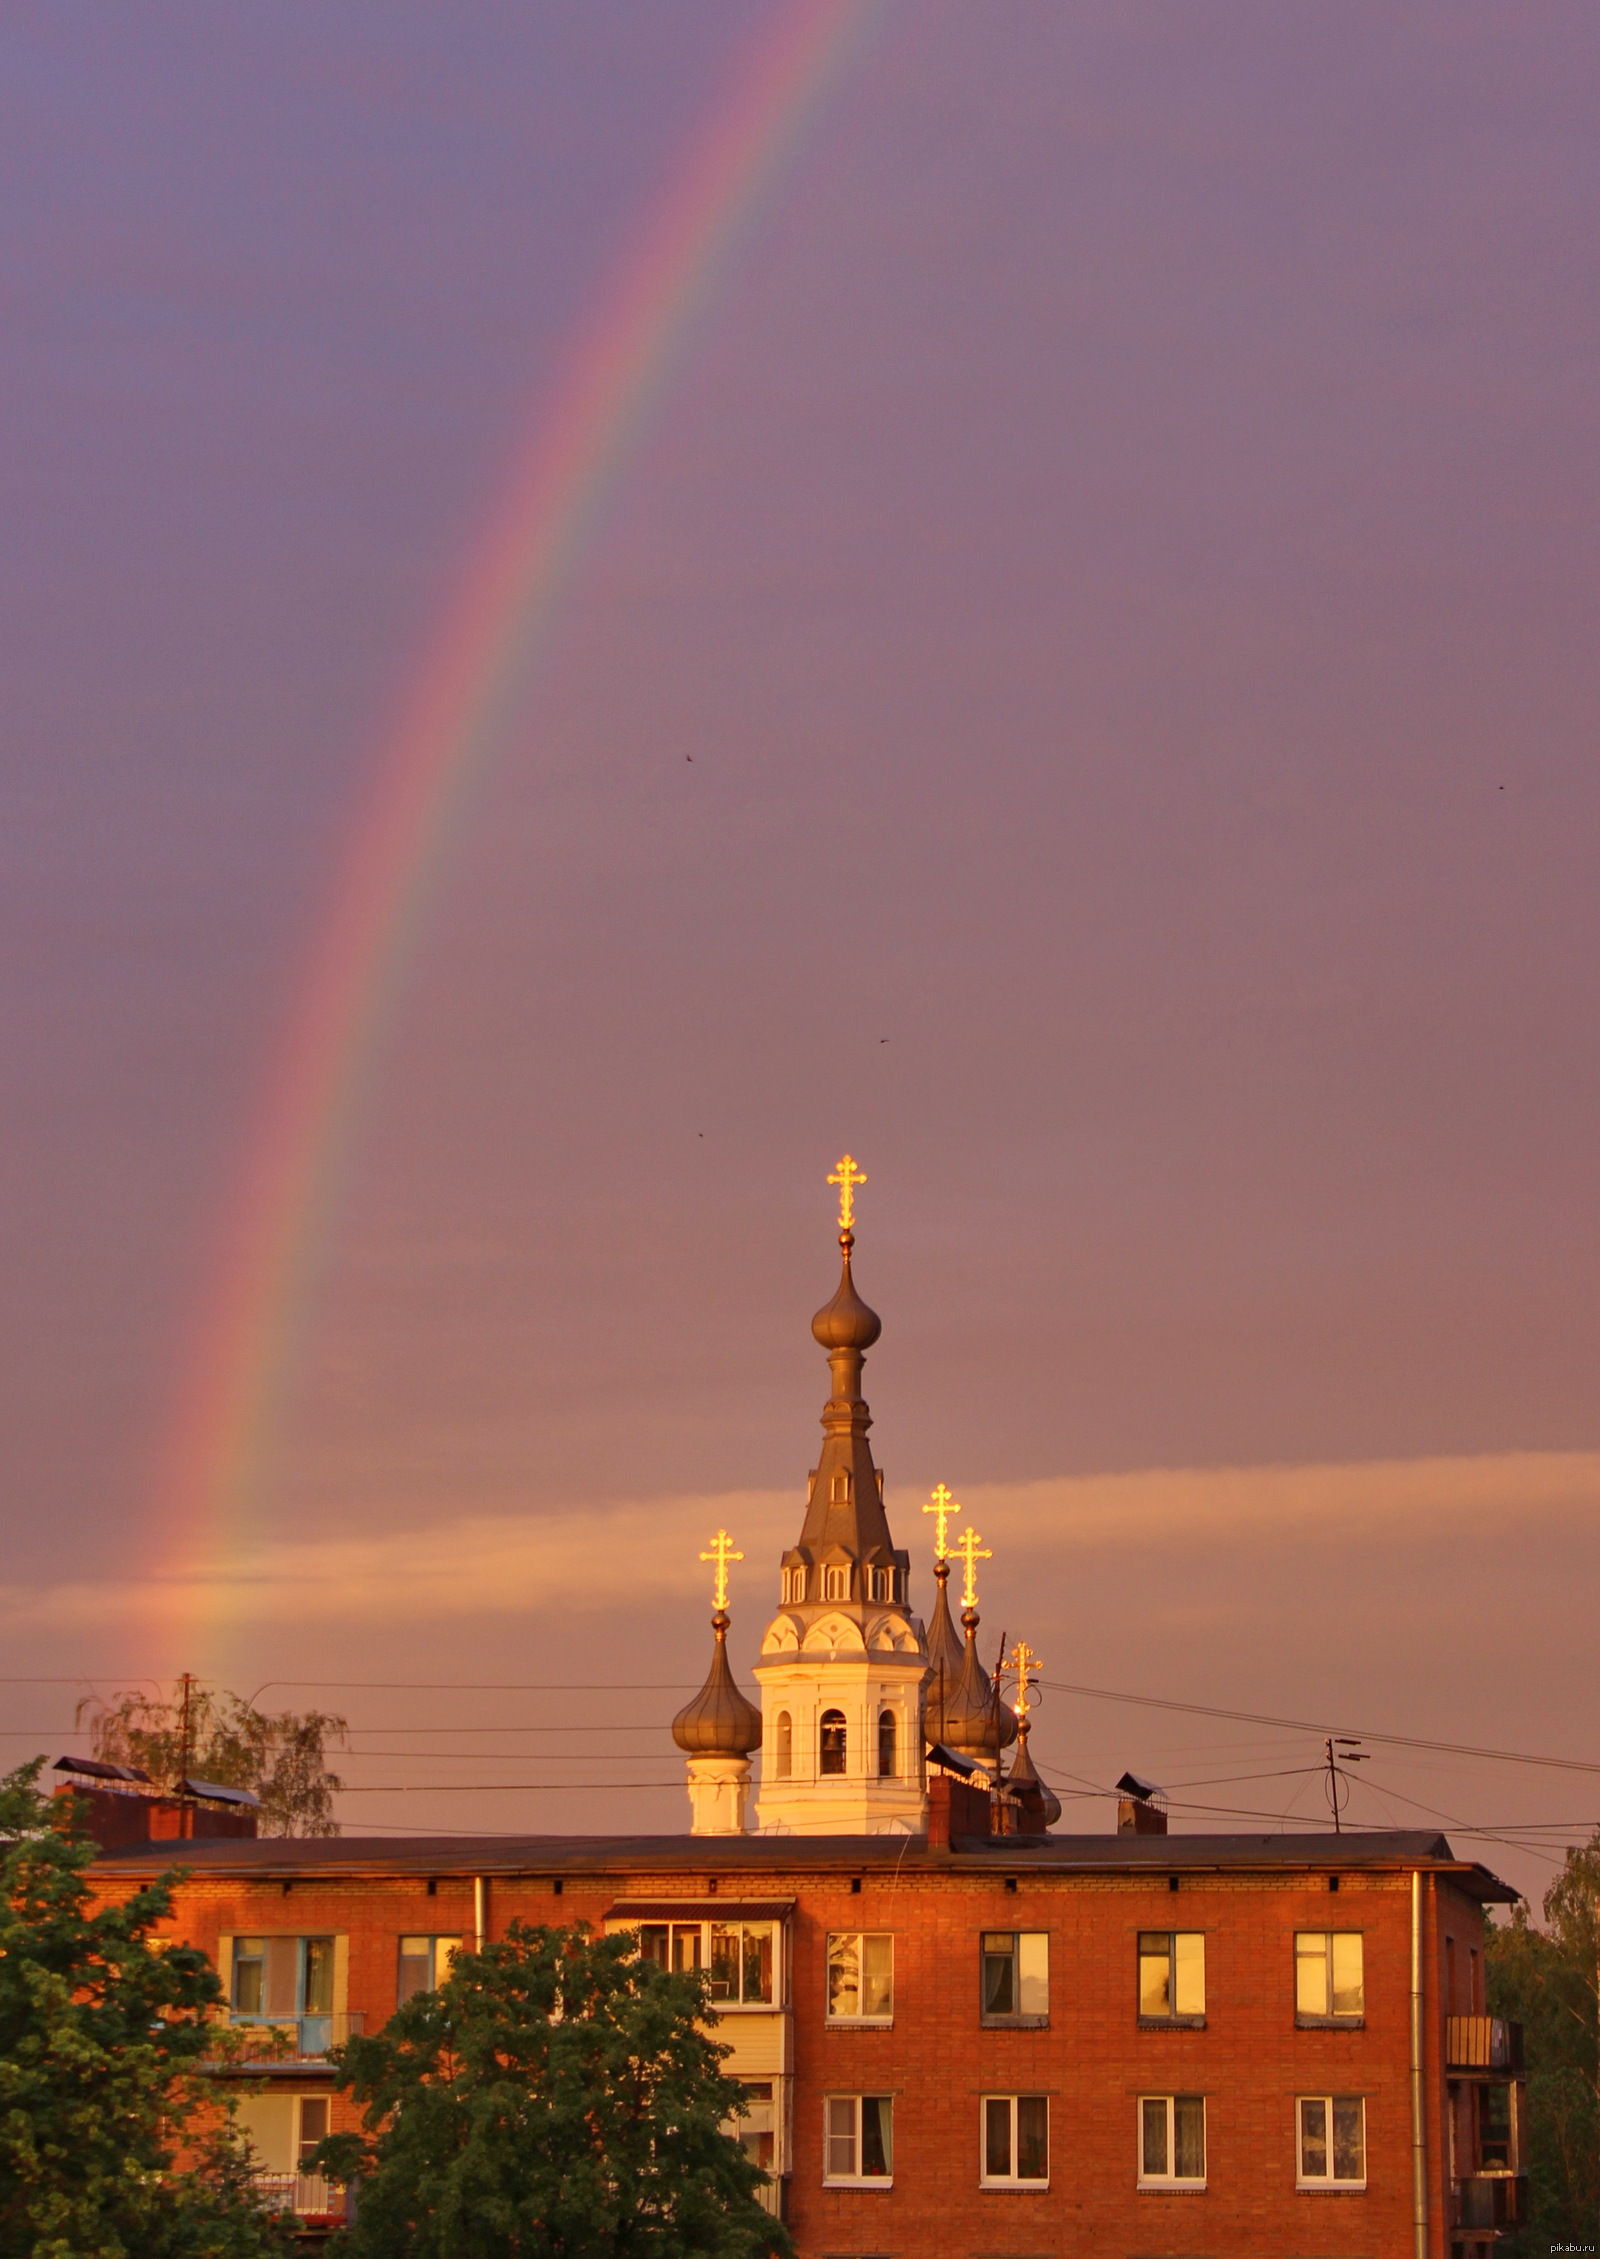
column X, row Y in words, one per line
column 1487, row 2046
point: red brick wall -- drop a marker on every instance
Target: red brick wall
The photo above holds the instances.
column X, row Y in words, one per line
column 1093, row 2061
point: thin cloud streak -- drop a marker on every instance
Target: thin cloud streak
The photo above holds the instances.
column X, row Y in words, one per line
column 644, row 1552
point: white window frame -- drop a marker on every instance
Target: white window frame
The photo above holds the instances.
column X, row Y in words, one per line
column 732, row 1920
column 857, row 2179
column 857, row 2022
column 1315, row 2019
column 437, row 1970
column 1327, row 2184
column 1191, row 2019
column 1169, row 2181
column 836, row 1581
column 794, row 1587
column 1013, row 2179
column 1019, row 2019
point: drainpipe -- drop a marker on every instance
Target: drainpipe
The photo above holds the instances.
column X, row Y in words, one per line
column 1419, row 2133
column 480, row 1911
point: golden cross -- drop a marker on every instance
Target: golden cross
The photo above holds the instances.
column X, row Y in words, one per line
column 847, row 1176
column 722, row 1552
column 942, row 1504
column 1023, row 1660
column 968, row 1550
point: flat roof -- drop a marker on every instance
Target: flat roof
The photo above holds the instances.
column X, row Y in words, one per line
column 533, row 1856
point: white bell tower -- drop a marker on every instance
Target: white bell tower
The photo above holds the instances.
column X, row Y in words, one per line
column 844, row 1662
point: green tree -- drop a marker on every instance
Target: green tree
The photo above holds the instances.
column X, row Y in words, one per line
column 557, row 2098
column 102, row 2095
column 226, row 1740
column 1545, row 1978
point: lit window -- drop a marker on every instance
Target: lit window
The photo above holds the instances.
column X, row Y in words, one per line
column 783, row 1750
column 672, row 1945
column 740, row 1957
column 831, row 1735
column 860, row 1977
column 1016, row 1976
column 1172, row 2141
column 425, row 1963
column 1016, row 2141
column 1172, row 1976
column 859, row 2138
column 836, row 1583
column 1333, row 2141
column 1328, row 1981
column 888, row 1763
column 741, row 1962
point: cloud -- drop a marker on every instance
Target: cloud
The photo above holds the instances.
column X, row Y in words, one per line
column 639, row 1552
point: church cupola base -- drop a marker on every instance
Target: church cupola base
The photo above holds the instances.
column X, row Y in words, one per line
column 719, row 1793
column 842, row 1751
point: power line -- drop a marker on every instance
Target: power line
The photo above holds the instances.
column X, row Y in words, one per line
column 1303, row 1725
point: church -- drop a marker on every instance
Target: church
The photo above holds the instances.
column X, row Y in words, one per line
column 962, row 2033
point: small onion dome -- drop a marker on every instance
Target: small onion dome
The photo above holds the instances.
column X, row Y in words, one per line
column 719, row 1722
column 976, row 1722
column 1024, row 1779
column 944, row 1657
column 847, row 1323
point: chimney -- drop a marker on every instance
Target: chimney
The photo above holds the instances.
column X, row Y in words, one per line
column 1137, row 1811
column 956, row 1807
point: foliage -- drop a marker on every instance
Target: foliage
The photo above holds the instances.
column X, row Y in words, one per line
column 556, row 2098
column 101, row 2035
column 283, row 1758
column 1545, row 1979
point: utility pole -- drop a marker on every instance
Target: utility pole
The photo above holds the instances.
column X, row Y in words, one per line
column 1349, row 1753
column 185, row 1737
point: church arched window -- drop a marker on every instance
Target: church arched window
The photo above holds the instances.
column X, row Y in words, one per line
column 837, row 1581
column 783, row 1753
column 839, row 1488
column 794, row 1586
column 887, row 1765
column 833, row 1741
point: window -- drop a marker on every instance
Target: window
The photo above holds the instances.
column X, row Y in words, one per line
column 880, row 1584
column 1172, row 2141
column 1333, row 2141
column 425, row 1963
column 794, row 1587
column 859, row 2138
column 1497, row 2145
column 313, row 2128
column 1016, row 2141
column 1016, row 1977
column 740, row 1956
column 888, row 1760
column 839, row 1487
column 758, row 2128
column 1172, row 1977
column 832, row 1738
column 1328, row 1987
column 836, row 1583
column 278, row 1978
column 783, row 1751
column 860, row 1977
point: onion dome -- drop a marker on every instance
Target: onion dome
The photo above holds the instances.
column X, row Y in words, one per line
column 944, row 1659
column 719, row 1722
column 1024, row 1780
column 846, row 1322
column 977, row 1723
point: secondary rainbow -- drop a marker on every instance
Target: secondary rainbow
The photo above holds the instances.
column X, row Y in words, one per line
column 465, row 699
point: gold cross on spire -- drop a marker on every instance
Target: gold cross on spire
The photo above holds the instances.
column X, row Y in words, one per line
column 847, row 1176
column 968, row 1551
column 722, row 1552
column 942, row 1504
column 1023, row 1662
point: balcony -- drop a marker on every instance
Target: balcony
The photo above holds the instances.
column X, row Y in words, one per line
column 1488, row 2045
column 302, row 2039
column 307, row 2195
column 1491, row 2200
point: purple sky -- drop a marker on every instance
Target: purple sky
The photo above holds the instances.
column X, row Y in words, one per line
column 1120, row 551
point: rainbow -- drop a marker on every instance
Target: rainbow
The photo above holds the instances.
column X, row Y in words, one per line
column 213, row 1467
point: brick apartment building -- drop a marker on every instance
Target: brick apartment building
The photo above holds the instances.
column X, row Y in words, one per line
column 963, row 2035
